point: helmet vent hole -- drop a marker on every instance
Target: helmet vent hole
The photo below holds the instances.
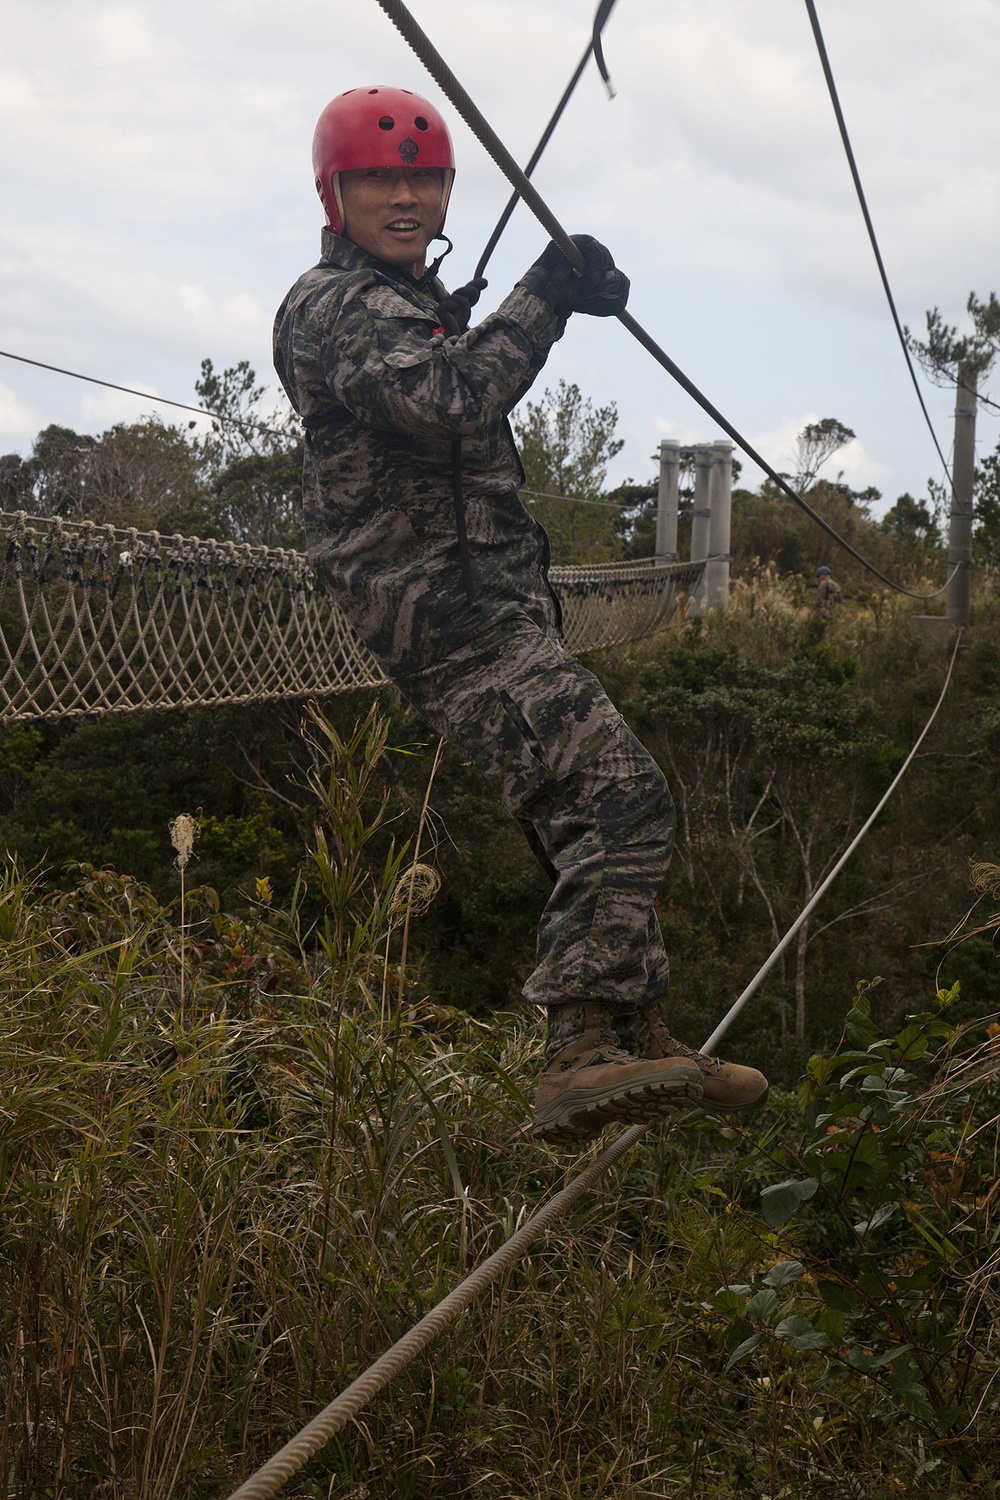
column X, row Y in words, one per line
column 420, row 122
column 386, row 123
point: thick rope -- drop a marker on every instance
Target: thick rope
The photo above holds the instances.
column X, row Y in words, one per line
column 435, row 64
column 278, row 1470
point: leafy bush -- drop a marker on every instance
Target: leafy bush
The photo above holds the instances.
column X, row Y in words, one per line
column 889, row 1284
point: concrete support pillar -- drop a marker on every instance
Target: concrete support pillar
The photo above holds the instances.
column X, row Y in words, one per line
column 665, row 550
column 963, row 476
column 720, row 505
column 701, row 521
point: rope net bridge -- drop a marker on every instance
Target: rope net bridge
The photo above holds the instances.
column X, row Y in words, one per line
column 94, row 619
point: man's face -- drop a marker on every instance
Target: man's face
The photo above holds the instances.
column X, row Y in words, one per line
column 393, row 212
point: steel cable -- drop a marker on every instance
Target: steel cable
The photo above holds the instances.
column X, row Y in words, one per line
column 271, row 1476
column 443, row 76
column 245, row 424
column 845, row 138
column 825, row 884
column 603, row 12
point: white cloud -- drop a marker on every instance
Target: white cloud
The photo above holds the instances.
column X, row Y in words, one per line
column 852, row 462
column 224, row 319
column 105, row 408
column 17, row 421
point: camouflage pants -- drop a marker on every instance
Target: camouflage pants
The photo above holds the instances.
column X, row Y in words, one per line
column 593, row 801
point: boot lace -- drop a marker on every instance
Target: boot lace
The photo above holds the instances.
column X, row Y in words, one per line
column 674, row 1048
column 610, row 1044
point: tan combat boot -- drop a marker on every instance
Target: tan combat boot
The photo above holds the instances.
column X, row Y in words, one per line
column 593, row 1081
column 728, row 1087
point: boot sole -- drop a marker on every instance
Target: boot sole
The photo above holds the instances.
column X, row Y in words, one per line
column 580, row 1114
column 708, row 1107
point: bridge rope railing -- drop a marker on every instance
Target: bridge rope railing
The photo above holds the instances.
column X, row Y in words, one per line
column 98, row 619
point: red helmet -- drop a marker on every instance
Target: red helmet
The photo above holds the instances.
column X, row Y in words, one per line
column 378, row 127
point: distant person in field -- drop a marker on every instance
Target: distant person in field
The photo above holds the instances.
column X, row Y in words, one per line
column 413, row 520
column 828, row 592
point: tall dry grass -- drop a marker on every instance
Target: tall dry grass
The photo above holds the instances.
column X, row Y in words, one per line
column 213, row 1218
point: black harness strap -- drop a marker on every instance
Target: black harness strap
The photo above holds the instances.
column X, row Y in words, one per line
column 454, row 312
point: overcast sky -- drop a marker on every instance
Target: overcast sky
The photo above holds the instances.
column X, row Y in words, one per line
column 158, row 201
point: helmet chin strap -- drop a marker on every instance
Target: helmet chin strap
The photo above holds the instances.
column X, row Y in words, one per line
column 434, row 266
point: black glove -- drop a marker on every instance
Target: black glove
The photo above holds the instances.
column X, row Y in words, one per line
column 455, row 310
column 600, row 289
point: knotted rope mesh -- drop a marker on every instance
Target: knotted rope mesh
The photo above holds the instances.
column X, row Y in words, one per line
column 96, row 619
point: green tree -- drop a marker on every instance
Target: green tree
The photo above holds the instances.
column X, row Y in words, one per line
column 253, row 460
column 635, row 523
column 914, row 526
column 911, row 520
column 58, row 472
column 817, row 442
column 566, row 444
column 986, row 530
column 945, row 352
column 768, row 528
column 146, row 474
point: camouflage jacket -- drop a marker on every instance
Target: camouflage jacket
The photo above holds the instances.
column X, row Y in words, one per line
column 383, row 392
column 828, row 594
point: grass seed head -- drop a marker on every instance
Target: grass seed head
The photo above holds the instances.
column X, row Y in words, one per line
column 183, row 832
column 416, row 889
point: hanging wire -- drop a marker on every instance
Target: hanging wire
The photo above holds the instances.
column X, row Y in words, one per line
column 490, row 141
column 594, row 47
column 835, row 101
column 571, row 499
column 243, row 423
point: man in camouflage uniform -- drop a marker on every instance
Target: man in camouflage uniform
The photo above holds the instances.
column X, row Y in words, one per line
column 467, row 626
column 828, row 592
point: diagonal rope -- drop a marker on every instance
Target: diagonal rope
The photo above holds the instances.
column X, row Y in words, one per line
column 271, row 1476
column 491, row 143
column 842, row 125
column 278, row 1470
